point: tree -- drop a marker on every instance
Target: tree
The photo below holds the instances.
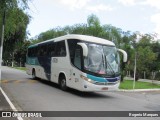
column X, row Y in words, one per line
column 15, row 32
column 94, row 27
column 145, row 55
column 93, row 20
column 7, row 8
column 155, row 46
column 145, row 58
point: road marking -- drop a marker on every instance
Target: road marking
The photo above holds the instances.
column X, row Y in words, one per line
column 32, row 81
column 4, row 81
column 10, row 103
column 19, row 81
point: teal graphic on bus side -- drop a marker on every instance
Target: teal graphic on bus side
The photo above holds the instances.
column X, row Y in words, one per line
column 32, row 61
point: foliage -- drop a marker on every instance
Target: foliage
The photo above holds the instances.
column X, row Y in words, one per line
column 10, row 4
column 15, row 28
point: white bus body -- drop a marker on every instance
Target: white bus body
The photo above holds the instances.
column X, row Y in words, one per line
column 80, row 62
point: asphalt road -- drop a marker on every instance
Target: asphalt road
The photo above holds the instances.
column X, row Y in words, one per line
column 39, row 95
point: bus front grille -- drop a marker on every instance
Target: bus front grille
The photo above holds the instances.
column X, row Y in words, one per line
column 105, row 83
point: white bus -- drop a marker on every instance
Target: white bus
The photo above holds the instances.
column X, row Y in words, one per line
column 81, row 62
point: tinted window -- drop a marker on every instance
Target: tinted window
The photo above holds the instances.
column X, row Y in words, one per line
column 48, row 49
column 60, row 49
column 29, row 52
column 32, row 52
column 39, row 51
column 51, row 49
column 72, row 47
column 42, row 50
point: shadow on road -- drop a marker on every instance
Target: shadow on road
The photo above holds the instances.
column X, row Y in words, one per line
column 75, row 92
column 89, row 94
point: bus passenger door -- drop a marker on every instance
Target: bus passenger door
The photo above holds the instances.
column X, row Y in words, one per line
column 54, row 69
column 76, row 70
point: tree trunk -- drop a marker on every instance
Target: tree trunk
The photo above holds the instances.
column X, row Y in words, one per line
column 13, row 59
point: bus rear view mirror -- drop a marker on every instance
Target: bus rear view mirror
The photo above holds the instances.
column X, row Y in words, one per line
column 124, row 55
column 85, row 49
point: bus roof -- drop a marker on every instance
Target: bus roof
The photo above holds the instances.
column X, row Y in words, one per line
column 79, row 37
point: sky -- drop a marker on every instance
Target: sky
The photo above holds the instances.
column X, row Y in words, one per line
column 132, row 15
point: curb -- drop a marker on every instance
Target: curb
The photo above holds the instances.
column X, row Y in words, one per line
column 139, row 90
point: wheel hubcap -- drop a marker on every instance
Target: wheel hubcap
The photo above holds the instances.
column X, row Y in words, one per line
column 63, row 83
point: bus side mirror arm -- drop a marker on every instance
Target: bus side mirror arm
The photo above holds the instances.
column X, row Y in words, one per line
column 85, row 49
column 124, row 55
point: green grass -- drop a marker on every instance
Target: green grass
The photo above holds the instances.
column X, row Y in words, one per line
column 20, row 68
column 128, row 84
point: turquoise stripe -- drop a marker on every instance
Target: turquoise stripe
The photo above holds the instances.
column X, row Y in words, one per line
column 98, row 79
column 32, row 61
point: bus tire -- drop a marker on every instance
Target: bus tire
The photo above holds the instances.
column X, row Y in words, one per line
column 34, row 74
column 62, row 82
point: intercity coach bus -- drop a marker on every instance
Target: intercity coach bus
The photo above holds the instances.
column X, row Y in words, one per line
column 81, row 62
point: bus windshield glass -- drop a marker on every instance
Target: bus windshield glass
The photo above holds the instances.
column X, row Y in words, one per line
column 102, row 59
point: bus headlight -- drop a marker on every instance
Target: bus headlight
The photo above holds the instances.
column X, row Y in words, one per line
column 87, row 79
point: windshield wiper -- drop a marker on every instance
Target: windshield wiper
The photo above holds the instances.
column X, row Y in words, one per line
column 109, row 66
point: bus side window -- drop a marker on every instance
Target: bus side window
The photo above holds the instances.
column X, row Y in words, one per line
column 60, row 49
column 41, row 51
column 32, row 52
column 38, row 51
column 29, row 52
column 35, row 51
column 51, row 49
column 44, row 52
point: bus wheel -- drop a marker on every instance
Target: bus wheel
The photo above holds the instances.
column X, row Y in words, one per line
column 34, row 74
column 62, row 83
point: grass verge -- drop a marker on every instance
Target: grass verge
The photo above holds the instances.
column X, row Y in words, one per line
column 20, row 68
column 128, row 84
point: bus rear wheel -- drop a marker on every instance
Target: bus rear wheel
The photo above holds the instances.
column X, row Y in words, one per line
column 34, row 74
column 62, row 83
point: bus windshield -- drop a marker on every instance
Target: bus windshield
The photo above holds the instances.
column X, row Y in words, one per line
column 102, row 59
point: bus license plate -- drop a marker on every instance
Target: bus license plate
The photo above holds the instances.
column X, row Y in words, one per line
column 105, row 88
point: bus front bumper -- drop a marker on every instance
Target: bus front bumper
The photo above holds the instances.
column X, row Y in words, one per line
column 89, row 87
